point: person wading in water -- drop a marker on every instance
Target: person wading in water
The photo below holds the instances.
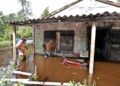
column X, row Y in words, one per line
column 22, row 49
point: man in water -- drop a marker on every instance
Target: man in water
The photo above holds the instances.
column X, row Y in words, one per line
column 49, row 48
column 22, row 49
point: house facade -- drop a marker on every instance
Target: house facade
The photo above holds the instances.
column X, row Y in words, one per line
column 75, row 37
column 72, row 36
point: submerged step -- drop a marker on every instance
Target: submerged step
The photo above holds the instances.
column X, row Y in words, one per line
column 22, row 73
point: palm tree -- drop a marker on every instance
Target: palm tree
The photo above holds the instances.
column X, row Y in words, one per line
column 26, row 8
column 22, row 3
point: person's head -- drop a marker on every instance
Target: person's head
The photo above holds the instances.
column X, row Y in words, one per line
column 23, row 38
column 51, row 41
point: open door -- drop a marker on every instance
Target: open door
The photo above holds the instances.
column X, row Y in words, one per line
column 102, row 44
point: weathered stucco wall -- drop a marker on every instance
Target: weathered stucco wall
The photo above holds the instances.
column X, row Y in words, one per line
column 80, row 38
column 38, row 41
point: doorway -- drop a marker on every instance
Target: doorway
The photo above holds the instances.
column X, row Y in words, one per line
column 101, row 42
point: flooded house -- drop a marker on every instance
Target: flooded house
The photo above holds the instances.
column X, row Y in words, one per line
column 93, row 32
column 89, row 31
column 72, row 35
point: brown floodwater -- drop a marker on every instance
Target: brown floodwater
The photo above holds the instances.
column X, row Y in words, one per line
column 5, row 56
column 52, row 69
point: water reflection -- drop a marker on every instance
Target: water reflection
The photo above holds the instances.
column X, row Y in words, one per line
column 90, row 79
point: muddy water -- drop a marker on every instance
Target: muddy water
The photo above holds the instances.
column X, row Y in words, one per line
column 109, row 73
column 52, row 69
column 5, row 57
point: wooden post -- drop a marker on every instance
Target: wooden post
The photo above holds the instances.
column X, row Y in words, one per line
column 33, row 36
column 14, row 44
column 90, row 79
column 35, row 70
column 92, row 49
column 58, row 40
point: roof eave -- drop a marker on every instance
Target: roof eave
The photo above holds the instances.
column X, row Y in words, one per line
column 109, row 3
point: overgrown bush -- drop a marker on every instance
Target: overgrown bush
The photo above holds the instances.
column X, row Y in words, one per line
column 4, row 74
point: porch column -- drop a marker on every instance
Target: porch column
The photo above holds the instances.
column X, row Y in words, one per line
column 92, row 49
column 33, row 37
column 90, row 79
column 58, row 40
column 14, row 44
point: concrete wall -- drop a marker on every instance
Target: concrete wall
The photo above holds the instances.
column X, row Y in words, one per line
column 38, row 41
column 80, row 38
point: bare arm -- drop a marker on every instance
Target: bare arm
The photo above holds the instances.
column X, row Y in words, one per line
column 17, row 46
column 56, row 48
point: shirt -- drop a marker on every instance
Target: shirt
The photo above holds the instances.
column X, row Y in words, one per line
column 21, row 47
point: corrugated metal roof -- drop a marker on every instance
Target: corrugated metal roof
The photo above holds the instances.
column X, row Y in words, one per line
column 91, row 16
column 86, row 7
column 106, row 16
